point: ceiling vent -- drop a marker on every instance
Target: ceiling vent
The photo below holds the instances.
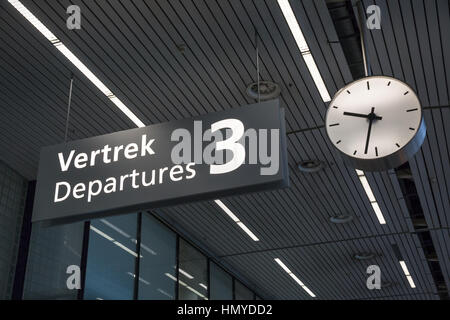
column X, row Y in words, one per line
column 341, row 219
column 364, row 256
column 310, row 166
column 267, row 90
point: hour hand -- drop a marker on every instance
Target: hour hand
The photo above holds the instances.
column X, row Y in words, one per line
column 361, row 115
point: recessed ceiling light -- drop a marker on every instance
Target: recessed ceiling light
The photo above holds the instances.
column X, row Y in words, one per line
column 341, row 219
column 365, row 256
column 267, row 90
column 310, row 166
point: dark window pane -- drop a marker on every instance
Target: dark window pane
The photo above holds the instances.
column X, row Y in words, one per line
column 221, row 286
column 193, row 273
column 241, row 292
column 52, row 250
column 13, row 189
column 158, row 261
column 111, row 258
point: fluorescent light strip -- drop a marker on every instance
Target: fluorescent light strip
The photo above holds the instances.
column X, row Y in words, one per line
column 407, row 274
column 75, row 61
column 186, row 286
column 293, row 276
column 83, row 69
column 236, row 219
column 120, row 231
column 164, row 293
column 247, row 231
column 370, row 195
column 187, row 275
column 304, row 48
column 104, row 235
column 171, row 276
column 227, row 211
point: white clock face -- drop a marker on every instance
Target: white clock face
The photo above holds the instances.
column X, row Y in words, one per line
column 373, row 117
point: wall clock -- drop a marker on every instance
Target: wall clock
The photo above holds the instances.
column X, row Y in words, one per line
column 376, row 123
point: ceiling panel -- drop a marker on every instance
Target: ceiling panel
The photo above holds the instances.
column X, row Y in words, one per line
column 175, row 59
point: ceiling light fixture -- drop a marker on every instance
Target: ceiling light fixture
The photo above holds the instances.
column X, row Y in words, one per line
column 140, row 279
column 372, row 199
column 75, row 61
column 236, row 219
column 341, row 219
column 407, row 274
column 310, row 166
column 267, row 90
column 364, row 256
column 304, row 48
column 293, row 276
column 117, row 243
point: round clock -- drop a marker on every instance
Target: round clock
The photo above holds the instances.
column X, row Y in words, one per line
column 376, row 123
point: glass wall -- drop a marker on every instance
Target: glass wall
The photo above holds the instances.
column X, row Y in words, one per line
column 158, row 262
column 111, row 260
column 126, row 257
column 221, row 283
column 192, row 273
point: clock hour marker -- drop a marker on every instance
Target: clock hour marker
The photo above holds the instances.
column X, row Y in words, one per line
column 398, row 146
column 406, row 93
column 335, row 107
column 410, row 110
column 348, row 92
column 412, row 129
column 339, row 142
column 368, row 85
column 334, row 124
column 376, row 151
column 355, row 152
column 389, row 83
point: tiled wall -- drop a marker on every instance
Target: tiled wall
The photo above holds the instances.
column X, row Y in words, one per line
column 13, row 189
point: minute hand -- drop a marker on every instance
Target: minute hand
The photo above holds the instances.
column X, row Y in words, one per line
column 371, row 118
column 361, row 115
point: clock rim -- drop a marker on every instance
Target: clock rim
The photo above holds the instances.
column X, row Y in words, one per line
column 394, row 159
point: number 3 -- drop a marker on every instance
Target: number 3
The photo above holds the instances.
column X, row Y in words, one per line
column 231, row 144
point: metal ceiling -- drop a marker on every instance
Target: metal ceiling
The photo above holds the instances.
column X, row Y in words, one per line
column 134, row 48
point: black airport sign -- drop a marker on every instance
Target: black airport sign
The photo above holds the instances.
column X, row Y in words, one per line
column 219, row 154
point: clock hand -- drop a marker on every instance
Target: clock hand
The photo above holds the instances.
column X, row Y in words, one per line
column 361, row 115
column 371, row 117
